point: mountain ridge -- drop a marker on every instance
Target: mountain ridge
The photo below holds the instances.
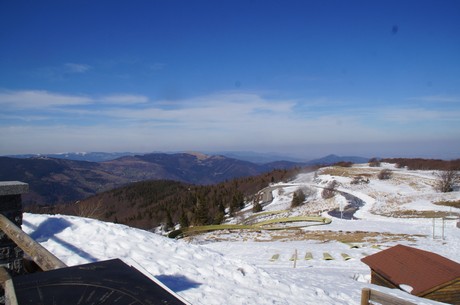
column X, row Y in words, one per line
column 253, row 157
column 59, row 180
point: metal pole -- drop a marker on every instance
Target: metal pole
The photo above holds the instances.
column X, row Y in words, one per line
column 295, row 258
column 443, row 228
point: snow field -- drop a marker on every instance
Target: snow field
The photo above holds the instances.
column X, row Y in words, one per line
column 234, row 267
column 199, row 275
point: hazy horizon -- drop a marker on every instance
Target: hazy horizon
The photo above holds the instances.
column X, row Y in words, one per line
column 298, row 78
column 244, row 155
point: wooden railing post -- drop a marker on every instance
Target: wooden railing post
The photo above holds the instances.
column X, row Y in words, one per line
column 44, row 259
column 365, row 295
column 11, row 256
column 13, row 241
column 8, row 287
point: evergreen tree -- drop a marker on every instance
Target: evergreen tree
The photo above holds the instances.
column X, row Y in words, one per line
column 201, row 214
column 297, row 198
column 221, row 208
column 218, row 218
column 169, row 222
column 238, row 200
column 183, row 221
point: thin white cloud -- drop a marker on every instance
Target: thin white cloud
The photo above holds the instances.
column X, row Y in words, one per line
column 216, row 121
column 212, row 109
column 45, row 101
column 76, row 68
column 60, row 72
column 39, row 99
column 125, row 99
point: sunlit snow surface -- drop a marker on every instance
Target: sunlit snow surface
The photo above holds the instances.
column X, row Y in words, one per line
column 239, row 270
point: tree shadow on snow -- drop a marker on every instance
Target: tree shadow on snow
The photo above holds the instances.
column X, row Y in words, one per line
column 177, row 282
column 48, row 230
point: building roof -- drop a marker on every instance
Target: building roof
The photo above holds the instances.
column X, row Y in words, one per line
column 419, row 269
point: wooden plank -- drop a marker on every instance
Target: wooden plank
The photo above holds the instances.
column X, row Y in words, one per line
column 365, row 295
column 10, row 294
column 8, row 287
column 448, row 292
column 295, row 258
column 353, row 245
column 368, row 296
column 274, row 257
column 45, row 259
column 4, row 276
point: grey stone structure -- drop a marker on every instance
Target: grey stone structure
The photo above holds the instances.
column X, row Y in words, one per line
column 11, row 256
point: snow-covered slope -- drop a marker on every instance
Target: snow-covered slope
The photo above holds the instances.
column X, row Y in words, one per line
column 200, row 275
column 232, row 267
column 219, row 273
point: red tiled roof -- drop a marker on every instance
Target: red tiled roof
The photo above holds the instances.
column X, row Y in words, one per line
column 422, row 270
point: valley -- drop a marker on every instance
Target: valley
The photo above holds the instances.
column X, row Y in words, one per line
column 59, row 180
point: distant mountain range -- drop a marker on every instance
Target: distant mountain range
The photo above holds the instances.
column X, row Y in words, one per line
column 254, row 157
column 60, row 178
column 78, row 156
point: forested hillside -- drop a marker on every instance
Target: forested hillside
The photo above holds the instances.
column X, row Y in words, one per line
column 148, row 204
column 424, row 164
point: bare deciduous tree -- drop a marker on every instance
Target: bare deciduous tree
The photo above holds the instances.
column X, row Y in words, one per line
column 257, row 207
column 329, row 190
column 89, row 210
column 447, row 180
column 374, row 162
column 385, row 174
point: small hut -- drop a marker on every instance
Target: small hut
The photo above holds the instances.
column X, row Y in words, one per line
column 421, row 273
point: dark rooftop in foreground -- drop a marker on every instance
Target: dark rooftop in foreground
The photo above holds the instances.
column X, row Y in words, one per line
column 428, row 274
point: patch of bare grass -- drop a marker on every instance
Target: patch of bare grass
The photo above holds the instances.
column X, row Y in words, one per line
column 323, row 236
column 454, row 204
column 349, row 172
column 343, row 236
column 418, row 214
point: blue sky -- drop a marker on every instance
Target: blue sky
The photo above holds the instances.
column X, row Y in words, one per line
column 302, row 78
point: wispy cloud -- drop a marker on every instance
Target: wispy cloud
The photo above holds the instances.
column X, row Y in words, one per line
column 61, row 72
column 224, row 120
column 44, row 100
column 216, row 109
column 39, row 99
column 76, row 68
column 124, row 99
